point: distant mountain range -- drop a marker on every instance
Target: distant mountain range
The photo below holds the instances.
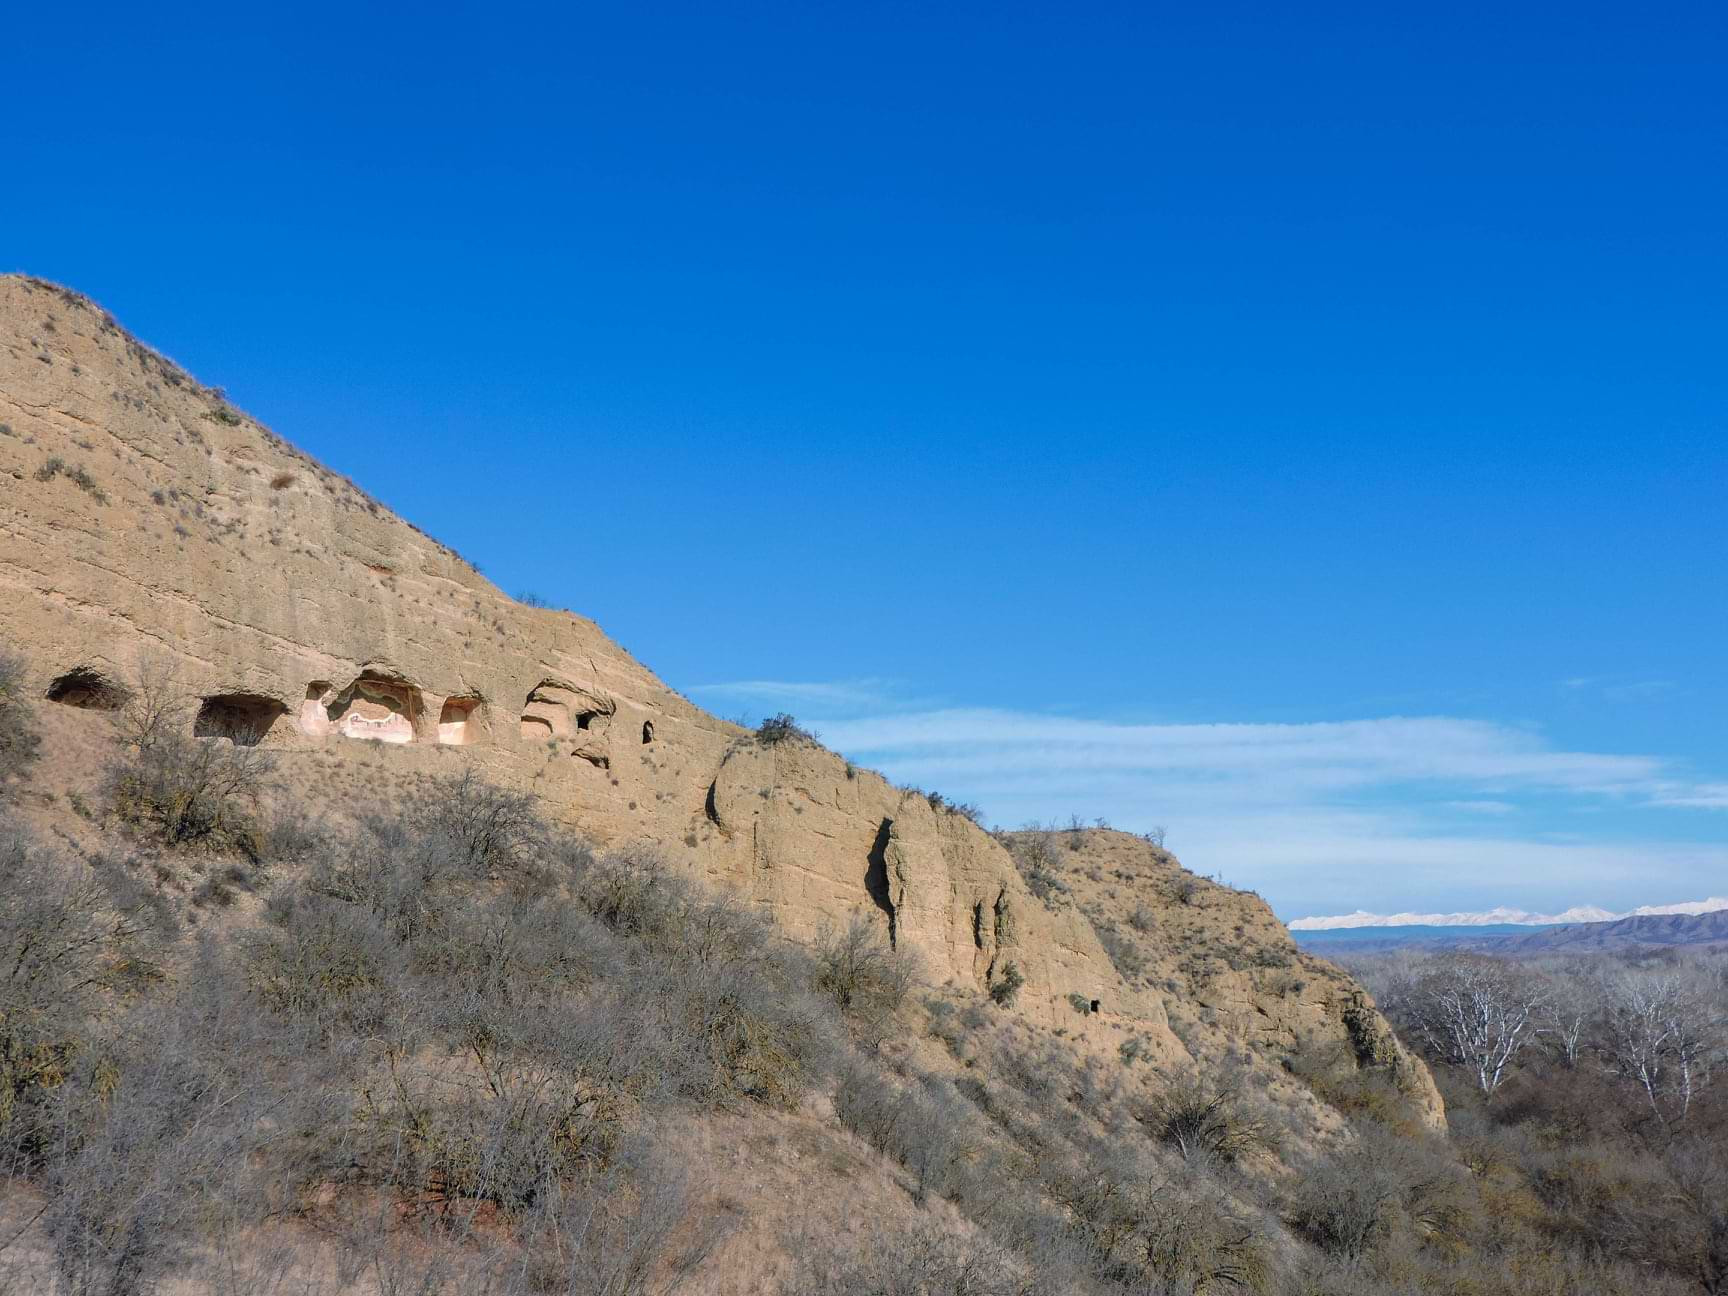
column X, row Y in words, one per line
column 1372, row 938
column 1646, row 929
column 1504, row 917
column 1527, row 940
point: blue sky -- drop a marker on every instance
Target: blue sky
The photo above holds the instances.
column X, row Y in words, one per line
column 1303, row 427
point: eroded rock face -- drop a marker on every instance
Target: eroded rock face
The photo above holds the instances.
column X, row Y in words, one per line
column 558, row 712
column 1220, row 960
column 193, row 540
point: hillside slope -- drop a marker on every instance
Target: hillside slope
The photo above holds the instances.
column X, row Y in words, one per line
column 1238, row 988
column 149, row 527
column 150, row 531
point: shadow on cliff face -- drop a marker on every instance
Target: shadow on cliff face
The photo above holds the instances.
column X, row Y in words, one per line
column 243, row 718
column 86, row 687
column 876, row 874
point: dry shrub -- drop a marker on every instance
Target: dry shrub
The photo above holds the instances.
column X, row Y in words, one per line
column 496, row 832
column 925, row 1262
column 927, row 1127
column 1204, row 1120
column 18, row 740
column 179, row 791
column 1356, row 1090
column 734, row 1035
column 184, row 1117
column 1033, row 850
column 1006, row 988
column 862, row 974
column 630, row 1230
column 183, row 793
column 1125, row 953
column 324, row 962
column 621, row 973
column 1146, row 1229
column 73, row 938
column 781, row 728
column 1197, row 1236
column 510, row 1135
column 1380, row 1191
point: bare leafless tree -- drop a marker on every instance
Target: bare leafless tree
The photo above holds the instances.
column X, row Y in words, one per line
column 865, row 976
column 1663, row 1032
column 1476, row 1013
column 184, row 791
column 1568, row 1014
column 157, row 710
column 495, row 831
column 1034, row 850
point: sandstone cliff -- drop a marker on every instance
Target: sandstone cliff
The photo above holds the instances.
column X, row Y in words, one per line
column 146, row 525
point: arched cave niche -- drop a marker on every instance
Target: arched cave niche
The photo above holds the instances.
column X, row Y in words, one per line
column 242, row 718
column 546, row 712
column 561, row 711
column 647, row 732
column 459, row 721
column 377, row 708
column 89, row 689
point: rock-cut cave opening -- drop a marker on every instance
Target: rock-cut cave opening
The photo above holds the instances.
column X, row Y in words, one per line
column 458, row 721
column 89, row 689
column 242, row 718
column 375, row 707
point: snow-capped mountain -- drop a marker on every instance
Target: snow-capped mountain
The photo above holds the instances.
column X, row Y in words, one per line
column 1495, row 917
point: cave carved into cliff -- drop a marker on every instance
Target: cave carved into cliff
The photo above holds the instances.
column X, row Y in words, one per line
column 375, row 707
column 459, row 721
column 242, row 718
column 88, row 689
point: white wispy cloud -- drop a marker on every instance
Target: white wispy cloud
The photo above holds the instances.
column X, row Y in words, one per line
column 1277, row 758
column 1691, row 796
column 1307, row 864
column 1339, row 814
column 1482, row 807
column 836, row 695
column 1619, row 690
